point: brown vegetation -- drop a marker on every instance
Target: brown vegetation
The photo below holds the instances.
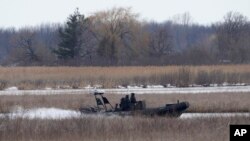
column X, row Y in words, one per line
column 119, row 128
column 76, row 77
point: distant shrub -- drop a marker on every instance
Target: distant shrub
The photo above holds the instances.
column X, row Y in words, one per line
column 217, row 77
column 138, row 80
column 203, row 78
column 183, row 77
column 233, row 78
column 245, row 77
column 165, row 79
column 31, row 84
column 3, row 84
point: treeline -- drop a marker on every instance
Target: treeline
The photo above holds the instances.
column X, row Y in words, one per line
column 118, row 37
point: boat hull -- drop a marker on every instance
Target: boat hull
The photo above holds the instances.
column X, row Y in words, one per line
column 169, row 110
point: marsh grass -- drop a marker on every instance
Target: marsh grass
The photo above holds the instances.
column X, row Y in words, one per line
column 77, row 77
column 119, row 128
column 122, row 128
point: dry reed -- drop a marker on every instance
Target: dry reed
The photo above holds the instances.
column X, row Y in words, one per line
column 119, row 128
column 75, row 77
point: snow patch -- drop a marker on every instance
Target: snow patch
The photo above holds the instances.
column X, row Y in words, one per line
column 135, row 87
column 214, row 85
column 155, row 86
column 11, row 89
column 170, row 86
column 240, row 84
column 120, row 87
column 93, row 87
column 93, row 91
column 88, row 87
column 48, row 88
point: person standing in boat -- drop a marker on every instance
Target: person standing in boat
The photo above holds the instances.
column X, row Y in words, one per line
column 132, row 98
column 132, row 101
column 127, row 103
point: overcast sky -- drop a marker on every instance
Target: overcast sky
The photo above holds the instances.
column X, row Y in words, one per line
column 19, row 13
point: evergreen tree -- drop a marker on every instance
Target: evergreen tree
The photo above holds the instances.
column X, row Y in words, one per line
column 70, row 37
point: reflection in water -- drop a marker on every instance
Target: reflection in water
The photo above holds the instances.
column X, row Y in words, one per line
column 56, row 113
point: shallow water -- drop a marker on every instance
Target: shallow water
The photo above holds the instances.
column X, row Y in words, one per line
column 55, row 113
column 155, row 90
column 212, row 115
column 42, row 113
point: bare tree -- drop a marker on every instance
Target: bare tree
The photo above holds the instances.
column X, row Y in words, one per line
column 232, row 35
column 27, row 49
column 24, row 51
column 115, row 31
column 182, row 22
column 5, row 36
column 184, row 19
column 160, row 41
